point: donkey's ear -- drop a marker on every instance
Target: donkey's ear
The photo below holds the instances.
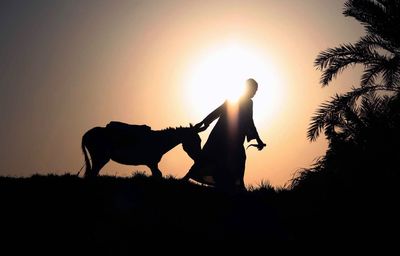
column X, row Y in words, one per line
column 190, row 125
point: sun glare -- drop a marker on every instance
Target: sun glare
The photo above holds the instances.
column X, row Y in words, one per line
column 220, row 74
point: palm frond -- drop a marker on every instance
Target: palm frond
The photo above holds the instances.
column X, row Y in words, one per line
column 391, row 72
column 372, row 107
column 336, row 68
column 368, row 12
column 378, row 51
column 378, row 17
column 327, row 117
column 384, row 67
column 374, row 42
column 351, row 122
column 327, row 57
column 330, row 113
column 370, row 74
column 334, row 60
column 318, row 121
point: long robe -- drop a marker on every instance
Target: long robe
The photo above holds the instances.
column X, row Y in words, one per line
column 223, row 158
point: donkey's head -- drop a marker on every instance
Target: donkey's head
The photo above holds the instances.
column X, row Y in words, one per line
column 191, row 142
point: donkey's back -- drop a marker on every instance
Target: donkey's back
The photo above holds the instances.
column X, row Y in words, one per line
column 123, row 135
column 127, row 128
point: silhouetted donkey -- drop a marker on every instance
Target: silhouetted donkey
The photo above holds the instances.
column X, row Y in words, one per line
column 135, row 145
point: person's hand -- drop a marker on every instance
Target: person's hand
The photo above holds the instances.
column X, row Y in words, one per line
column 199, row 126
column 261, row 145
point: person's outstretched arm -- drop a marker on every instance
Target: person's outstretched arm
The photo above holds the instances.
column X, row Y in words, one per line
column 212, row 116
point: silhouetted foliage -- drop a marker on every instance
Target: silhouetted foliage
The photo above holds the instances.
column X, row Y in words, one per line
column 107, row 214
column 362, row 126
column 378, row 50
column 363, row 145
column 121, row 216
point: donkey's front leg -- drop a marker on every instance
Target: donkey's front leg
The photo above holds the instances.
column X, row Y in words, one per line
column 155, row 172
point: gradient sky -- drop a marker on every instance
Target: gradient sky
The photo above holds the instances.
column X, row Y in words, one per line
column 67, row 66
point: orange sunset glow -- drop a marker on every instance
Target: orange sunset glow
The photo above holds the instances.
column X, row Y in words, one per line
column 68, row 66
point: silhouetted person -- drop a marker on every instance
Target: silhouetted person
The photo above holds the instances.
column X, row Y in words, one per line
column 223, row 158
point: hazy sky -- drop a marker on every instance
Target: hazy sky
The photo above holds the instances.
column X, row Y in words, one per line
column 67, row 66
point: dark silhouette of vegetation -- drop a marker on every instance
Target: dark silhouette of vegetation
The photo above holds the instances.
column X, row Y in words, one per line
column 121, row 216
column 354, row 185
column 363, row 147
column 378, row 51
column 362, row 126
column 108, row 214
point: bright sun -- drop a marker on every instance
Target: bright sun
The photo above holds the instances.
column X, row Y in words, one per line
column 220, row 74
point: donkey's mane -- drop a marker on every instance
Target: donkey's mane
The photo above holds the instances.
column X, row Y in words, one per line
column 172, row 129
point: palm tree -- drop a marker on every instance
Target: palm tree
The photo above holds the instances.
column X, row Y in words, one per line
column 378, row 51
column 361, row 125
column 363, row 142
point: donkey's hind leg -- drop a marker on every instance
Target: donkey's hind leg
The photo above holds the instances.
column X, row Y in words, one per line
column 99, row 163
column 100, row 156
column 155, row 172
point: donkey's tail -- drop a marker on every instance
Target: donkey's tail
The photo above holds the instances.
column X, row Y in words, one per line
column 79, row 172
column 85, row 153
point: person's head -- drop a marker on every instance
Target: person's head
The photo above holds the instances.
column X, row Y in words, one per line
column 250, row 88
